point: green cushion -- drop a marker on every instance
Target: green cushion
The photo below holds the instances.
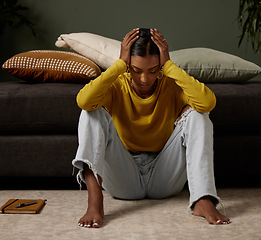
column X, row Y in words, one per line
column 208, row 65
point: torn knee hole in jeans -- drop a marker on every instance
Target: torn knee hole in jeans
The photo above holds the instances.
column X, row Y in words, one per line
column 183, row 116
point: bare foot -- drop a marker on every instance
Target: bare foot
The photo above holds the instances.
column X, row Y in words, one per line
column 205, row 208
column 94, row 214
column 93, row 217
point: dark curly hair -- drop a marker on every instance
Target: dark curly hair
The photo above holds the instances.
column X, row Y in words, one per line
column 144, row 46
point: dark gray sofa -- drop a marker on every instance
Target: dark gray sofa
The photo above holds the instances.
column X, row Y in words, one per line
column 38, row 134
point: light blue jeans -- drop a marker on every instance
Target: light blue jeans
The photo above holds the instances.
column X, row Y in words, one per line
column 187, row 155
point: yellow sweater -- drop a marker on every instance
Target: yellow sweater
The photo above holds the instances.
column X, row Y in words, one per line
column 145, row 124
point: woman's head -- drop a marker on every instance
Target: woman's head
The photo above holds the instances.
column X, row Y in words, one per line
column 144, row 45
column 144, row 63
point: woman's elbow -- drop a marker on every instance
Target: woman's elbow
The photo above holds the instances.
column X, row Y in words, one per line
column 211, row 104
column 81, row 104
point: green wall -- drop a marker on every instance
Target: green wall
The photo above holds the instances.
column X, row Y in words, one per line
column 185, row 24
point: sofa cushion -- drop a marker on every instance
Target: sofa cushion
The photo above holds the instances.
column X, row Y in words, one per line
column 102, row 50
column 49, row 107
column 52, row 107
column 211, row 66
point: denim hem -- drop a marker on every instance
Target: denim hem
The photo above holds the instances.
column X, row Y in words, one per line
column 78, row 163
column 216, row 200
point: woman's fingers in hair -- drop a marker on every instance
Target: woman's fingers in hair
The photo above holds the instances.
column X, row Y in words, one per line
column 158, row 37
column 131, row 36
column 160, row 41
column 126, row 44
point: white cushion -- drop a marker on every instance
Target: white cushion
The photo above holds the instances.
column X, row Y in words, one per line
column 103, row 51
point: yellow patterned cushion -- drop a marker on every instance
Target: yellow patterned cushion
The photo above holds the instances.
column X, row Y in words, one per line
column 52, row 66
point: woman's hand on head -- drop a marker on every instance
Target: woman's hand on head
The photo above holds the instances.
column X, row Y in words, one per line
column 126, row 44
column 160, row 41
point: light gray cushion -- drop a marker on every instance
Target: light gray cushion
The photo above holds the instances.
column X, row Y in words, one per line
column 208, row 65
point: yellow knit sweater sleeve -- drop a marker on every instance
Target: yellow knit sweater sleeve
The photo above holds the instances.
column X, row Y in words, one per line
column 196, row 94
column 96, row 93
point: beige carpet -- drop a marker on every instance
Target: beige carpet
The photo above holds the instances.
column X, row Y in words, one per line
column 146, row 219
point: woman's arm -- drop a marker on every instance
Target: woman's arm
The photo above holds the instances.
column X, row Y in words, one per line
column 196, row 94
column 96, row 93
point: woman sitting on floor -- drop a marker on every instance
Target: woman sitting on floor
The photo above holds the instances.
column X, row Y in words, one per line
column 143, row 133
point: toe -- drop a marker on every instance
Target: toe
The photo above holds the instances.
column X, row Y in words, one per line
column 84, row 223
column 219, row 222
column 96, row 225
column 97, row 222
column 213, row 220
column 226, row 221
column 80, row 223
column 88, row 224
column 222, row 221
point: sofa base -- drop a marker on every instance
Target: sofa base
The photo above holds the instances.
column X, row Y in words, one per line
column 236, row 161
column 40, row 183
column 37, row 155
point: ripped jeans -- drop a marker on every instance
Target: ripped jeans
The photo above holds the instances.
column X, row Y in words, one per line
column 187, row 155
